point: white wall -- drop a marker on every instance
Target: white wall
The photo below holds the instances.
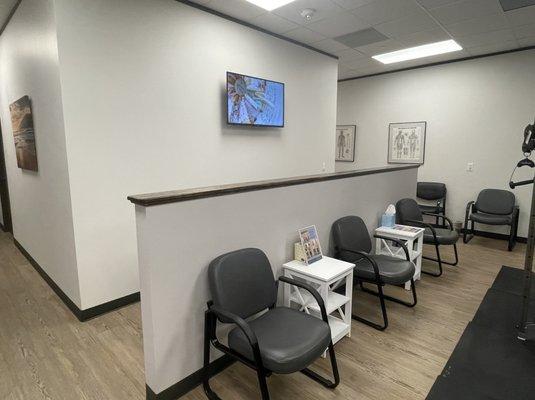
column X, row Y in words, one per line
column 40, row 202
column 177, row 241
column 143, row 92
column 475, row 110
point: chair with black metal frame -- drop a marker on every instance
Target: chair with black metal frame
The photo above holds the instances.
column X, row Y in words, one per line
column 492, row 207
column 244, row 293
column 352, row 243
column 408, row 213
column 433, row 191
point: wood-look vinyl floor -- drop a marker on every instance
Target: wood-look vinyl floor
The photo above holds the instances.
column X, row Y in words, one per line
column 46, row 353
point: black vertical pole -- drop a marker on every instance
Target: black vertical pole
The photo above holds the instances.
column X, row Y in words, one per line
column 528, row 268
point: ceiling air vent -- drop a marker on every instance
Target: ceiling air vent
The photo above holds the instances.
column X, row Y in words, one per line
column 361, row 38
column 509, row 5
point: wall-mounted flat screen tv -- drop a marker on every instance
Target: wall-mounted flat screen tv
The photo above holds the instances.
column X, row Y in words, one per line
column 254, row 101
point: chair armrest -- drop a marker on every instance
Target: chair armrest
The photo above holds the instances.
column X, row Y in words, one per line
column 440, row 216
column 469, row 207
column 396, row 241
column 424, row 225
column 312, row 291
column 240, row 322
column 369, row 259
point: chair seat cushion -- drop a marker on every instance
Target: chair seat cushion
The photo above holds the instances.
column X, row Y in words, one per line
column 491, row 219
column 289, row 340
column 444, row 236
column 393, row 270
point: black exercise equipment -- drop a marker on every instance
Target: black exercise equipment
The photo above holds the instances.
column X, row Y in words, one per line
column 528, row 145
column 281, row 340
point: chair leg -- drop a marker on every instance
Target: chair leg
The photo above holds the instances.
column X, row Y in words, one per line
column 512, row 236
column 381, row 296
column 206, row 372
column 394, row 299
column 468, row 234
column 438, row 259
column 263, row 384
column 320, row 379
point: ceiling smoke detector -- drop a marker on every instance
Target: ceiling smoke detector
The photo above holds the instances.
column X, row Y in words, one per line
column 308, row 13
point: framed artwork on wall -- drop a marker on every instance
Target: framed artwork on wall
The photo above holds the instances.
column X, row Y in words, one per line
column 346, row 136
column 23, row 133
column 406, row 143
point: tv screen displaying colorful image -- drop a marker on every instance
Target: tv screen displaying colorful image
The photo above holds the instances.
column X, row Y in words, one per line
column 254, row 101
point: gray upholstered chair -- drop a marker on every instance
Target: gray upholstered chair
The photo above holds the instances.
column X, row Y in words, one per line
column 352, row 243
column 433, row 191
column 408, row 213
column 492, row 207
column 266, row 338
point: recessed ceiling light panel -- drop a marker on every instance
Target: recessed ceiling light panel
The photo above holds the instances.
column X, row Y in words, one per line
column 270, row 4
column 412, row 53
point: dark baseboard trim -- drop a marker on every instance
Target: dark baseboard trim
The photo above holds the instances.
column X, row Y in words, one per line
column 256, row 28
column 189, row 383
column 499, row 236
column 438, row 63
column 82, row 315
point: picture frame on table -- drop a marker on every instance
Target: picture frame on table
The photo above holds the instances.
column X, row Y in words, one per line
column 310, row 243
column 406, row 142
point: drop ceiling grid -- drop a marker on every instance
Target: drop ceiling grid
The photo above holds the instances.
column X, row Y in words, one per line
column 479, row 26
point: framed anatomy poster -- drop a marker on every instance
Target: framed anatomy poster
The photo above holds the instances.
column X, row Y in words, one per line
column 406, row 143
column 345, row 142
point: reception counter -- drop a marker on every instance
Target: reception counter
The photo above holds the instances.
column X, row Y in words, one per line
column 180, row 232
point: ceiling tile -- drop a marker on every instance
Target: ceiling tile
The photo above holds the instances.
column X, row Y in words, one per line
column 363, row 63
column 381, row 47
column 337, row 25
column 521, row 16
column 479, row 25
column 526, row 42
column 524, row 31
column 330, row 46
column 304, row 35
column 274, row 23
column 292, row 11
column 487, row 38
column 413, row 23
column 237, row 9
column 492, row 48
column 346, row 56
column 465, row 10
column 351, row 4
column 381, row 11
column 424, row 37
column 435, row 3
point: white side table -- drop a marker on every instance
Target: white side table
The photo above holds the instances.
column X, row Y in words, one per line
column 324, row 275
column 411, row 236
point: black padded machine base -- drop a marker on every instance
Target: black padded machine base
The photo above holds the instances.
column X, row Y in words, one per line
column 489, row 362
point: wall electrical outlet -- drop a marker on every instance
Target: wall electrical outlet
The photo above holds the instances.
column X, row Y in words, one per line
column 323, row 167
column 470, row 167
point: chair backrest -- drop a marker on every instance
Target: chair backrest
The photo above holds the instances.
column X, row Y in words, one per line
column 242, row 282
column 351, row 233
column 407, row 209
column 495, row 201
column 430, row 190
